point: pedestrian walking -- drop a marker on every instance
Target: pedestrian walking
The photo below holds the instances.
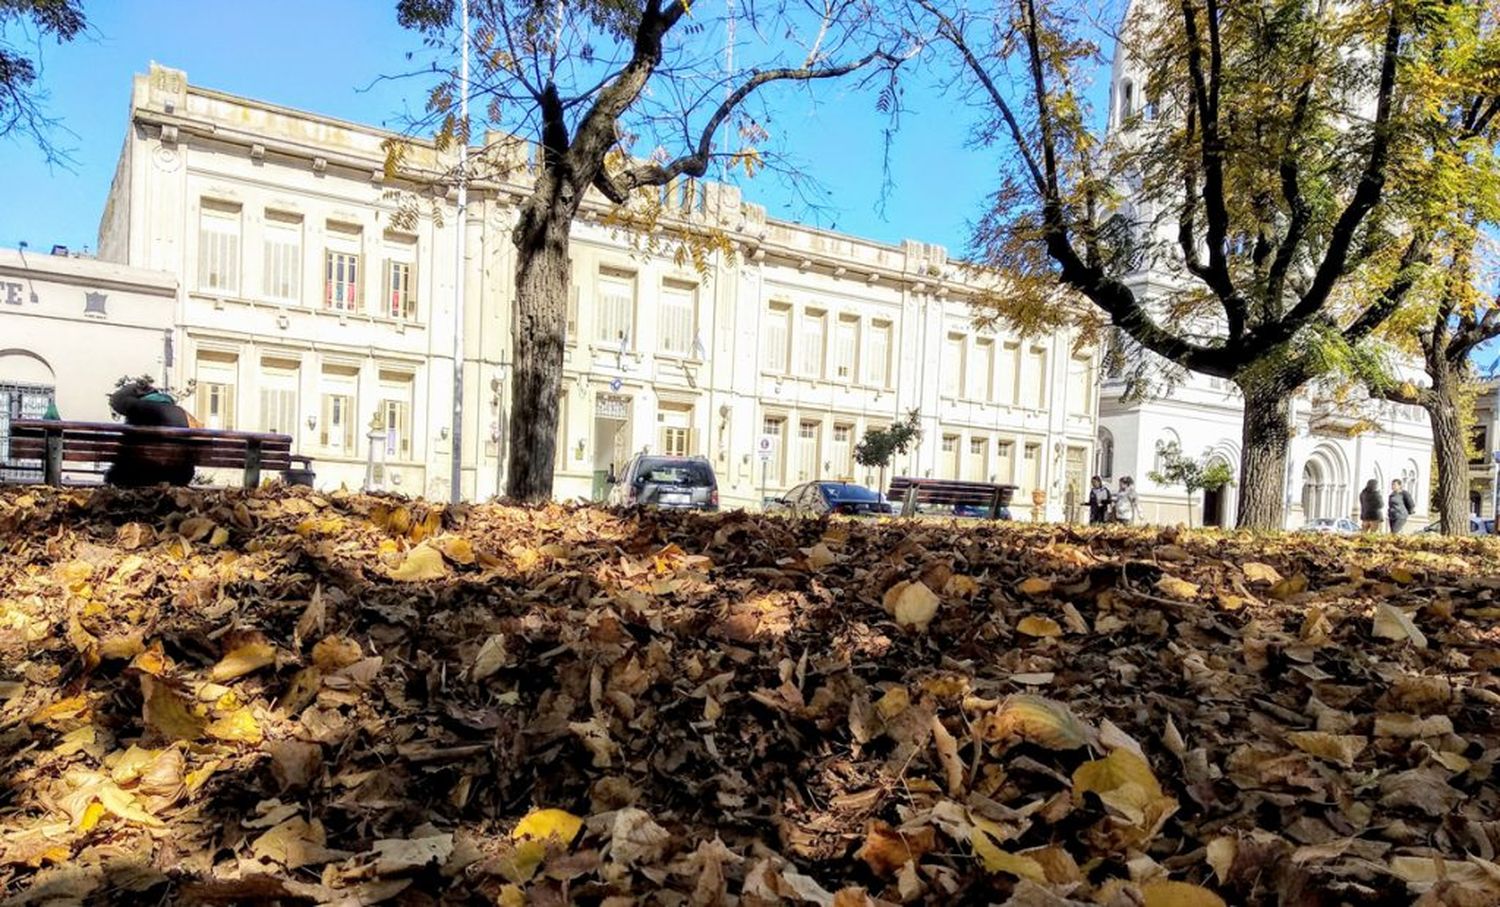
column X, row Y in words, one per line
column 1099, row 501
column 1126, row 507
column 1371, row 505
column 1399, row 507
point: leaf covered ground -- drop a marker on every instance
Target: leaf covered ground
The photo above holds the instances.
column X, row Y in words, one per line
column 279, row 697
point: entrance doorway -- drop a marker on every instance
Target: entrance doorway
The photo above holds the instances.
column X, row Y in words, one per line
column 1213, row 507
column 611, row 439
column 20, row 401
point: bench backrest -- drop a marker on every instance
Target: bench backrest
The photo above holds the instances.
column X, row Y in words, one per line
column 952, row 493
column 104, row 442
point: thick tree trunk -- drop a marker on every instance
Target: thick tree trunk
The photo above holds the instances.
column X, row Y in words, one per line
column 1265, row 443
column 1451, row 450
column 541, row 319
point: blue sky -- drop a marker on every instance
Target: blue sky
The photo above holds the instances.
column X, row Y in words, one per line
column 320, row 55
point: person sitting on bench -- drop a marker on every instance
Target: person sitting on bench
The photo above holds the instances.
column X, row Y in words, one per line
column 139, row 465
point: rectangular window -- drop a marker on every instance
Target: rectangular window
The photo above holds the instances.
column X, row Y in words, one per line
column 846, row 349
column 283, row 257
column 1008, row 387
column 1036, row 378
column 982, row 372
column 338, row 424
column 338, row 421
column 880, row 354
column 214, row 391
column 676, row 421
column 395, row 414
column 616, row 311
column 842, row 454
column 677, row 319
column 278, row 396
column 948, row 465
column 979, row 459
column 398, row 290
column 341, row 282
column 1080, row 385
column 218, row 247
column 774, row 427
column 1005, row 461
column 1032, row 464
column 810, row 344
column 808, row 437
column 778, row 338
column 953, row 365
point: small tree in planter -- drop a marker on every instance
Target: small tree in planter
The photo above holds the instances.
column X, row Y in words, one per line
column 880, row 446
column 1193, row 475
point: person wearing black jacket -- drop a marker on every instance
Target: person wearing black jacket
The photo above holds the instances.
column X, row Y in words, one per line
column 138, row 464
column 1371, row 505
column 1099, row 501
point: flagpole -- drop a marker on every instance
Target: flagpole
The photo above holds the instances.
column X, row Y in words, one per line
column 459, row 263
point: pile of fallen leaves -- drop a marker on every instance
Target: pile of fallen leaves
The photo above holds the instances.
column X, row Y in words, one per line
column 283, row 697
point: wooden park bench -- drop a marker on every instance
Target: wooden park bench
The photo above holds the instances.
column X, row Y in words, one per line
column 66, row 446
column 913, row 494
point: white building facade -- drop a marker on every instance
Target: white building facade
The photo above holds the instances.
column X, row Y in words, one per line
column 301, row 303
column 1336, row 446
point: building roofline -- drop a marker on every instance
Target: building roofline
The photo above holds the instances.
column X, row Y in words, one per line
column 85, row 271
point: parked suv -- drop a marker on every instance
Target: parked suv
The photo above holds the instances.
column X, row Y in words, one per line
column 687, row 483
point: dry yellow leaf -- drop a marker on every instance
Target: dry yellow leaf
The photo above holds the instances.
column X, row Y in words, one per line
column 219, row 537
column 124, row 806
column 819, row 556
column 1289, row 587
column 1033, row 625
column 541, row 824
column 195, row 528
column 1034, row 585
column 1163, row 893
column 457, row 549
column 915, row 606
column 895, row 701
column 960, row 586
column 1402, row 575
column 1038, row 720
column 1126, row 784
column 335, row 652
column 491, row 657
column 1221, row 852
column 238, row 726
column 996, row 860
column 1261, row 573
column 422, row 563
column 167, row 712
column 1393, row 623
column 243, row 659
column 1340, row 748
column 120, row 647
column 1176, row 588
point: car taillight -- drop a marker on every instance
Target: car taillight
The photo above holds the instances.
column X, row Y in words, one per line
column 713, row 497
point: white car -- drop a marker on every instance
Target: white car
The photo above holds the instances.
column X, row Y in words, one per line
column 1331, row 526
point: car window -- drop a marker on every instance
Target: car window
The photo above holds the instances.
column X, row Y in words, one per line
column 673, row 472
column 843, row 492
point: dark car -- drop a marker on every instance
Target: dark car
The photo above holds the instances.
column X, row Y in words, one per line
column 686, row 483
column 815, row 499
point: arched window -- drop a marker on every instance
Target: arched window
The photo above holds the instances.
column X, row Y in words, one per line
column 1104, row 456
column 1127, row 100
column 1312, row 490
column 1168, row 438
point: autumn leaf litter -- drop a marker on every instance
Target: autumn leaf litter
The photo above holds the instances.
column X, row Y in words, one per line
column 223, row 697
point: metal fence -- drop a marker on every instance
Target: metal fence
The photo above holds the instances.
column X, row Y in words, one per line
column 20, row 401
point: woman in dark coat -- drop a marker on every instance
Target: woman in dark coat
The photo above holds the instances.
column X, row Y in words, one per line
column 139, row 465
column 1371, row 507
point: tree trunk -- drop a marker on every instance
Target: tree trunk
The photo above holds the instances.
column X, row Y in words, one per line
column 541, row 241
column 1266, row 440
column 1451, row 450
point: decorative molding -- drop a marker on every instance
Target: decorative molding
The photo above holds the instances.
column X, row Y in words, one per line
column 169, row 134
column 258, row 152
column 320, row 165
